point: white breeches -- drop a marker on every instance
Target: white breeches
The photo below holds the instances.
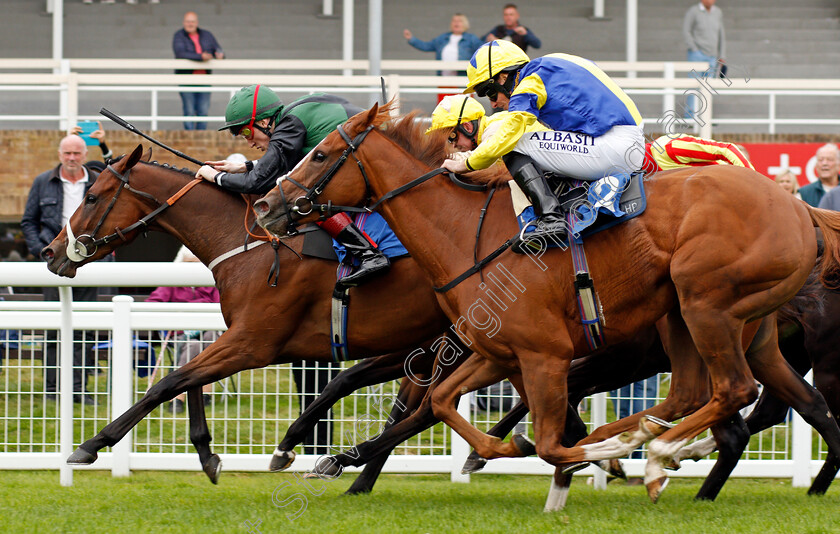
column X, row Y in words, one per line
column 620, row 150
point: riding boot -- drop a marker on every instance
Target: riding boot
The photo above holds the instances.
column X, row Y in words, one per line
column 372, row 261
column 550, row 219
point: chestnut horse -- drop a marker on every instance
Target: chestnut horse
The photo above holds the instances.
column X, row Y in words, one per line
column 266, row 325
column 717, row 248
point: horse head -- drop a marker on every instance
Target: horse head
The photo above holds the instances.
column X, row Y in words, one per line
column 81, row 241
column 300, row 195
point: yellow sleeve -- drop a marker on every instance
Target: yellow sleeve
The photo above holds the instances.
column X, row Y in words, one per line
column 502, row 142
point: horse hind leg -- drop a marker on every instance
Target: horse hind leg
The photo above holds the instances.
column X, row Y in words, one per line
column 827, row 381
column 784, row 383
column 718, row 341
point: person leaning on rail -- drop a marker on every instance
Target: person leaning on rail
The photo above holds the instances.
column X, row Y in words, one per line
column 595, row 125
column 286, row 135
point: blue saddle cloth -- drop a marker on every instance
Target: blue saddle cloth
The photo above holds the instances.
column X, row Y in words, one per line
column 610, row 201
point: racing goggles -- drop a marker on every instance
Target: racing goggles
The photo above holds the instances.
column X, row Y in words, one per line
column 491, row 89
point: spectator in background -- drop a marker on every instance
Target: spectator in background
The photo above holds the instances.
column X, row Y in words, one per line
column 189, row 343
column 511, row 30
column 455, row 45
column 705, row 40
column 831, row 200
column 197, row 44
column 99, row 134
column 789, row 182
column 54, row 197
column 827, row 167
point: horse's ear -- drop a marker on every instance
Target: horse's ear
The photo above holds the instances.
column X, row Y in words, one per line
column 134, row 157
column 148, row 155
column 371, row 115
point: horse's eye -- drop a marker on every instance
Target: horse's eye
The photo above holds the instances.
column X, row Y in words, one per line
column 319, row 156
column 90, row 199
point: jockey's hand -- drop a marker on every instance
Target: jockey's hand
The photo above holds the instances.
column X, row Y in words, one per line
column 207, row 172
column 452, row 165
column 227, row 166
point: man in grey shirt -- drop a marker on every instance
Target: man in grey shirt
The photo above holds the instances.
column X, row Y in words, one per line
column 705, row 40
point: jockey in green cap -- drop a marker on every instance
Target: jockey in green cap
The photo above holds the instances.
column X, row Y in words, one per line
column 286, row 135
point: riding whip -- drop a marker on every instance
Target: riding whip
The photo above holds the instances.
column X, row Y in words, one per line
column 131, row 128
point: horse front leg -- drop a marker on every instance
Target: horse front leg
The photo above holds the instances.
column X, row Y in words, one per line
column 475, row 373
column 409, row 399
column 220, row 360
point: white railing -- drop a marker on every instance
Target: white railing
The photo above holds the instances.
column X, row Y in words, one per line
column 69, row 78
column 124, row 319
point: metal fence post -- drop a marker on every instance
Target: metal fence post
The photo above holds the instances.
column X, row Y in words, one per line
column 65, row 384
column 801, row 447
column 460, row 448
column 121, row 386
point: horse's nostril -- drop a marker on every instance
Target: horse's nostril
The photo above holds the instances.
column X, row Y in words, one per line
column 261, row 208
column 47, row 254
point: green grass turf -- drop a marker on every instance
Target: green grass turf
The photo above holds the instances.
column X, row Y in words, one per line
column 187, row 502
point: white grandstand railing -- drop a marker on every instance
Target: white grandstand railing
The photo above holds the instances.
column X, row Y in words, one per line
column 69, row 77
column 124, row 318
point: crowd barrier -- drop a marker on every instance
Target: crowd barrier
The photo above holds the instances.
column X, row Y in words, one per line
column 248, row 413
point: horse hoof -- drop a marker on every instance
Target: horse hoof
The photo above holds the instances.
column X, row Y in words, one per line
column 575, row 467
column 673, row 464
column 327, row 468
column 613, row 468
column 473, row 464
column 655, row 488
column 655, row 425
column 281, row 460
column 81, row 457
column 526, row 446
column 212, row 468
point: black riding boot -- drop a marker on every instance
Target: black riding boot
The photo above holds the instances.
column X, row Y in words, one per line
column 372, row 260
column 550, row 219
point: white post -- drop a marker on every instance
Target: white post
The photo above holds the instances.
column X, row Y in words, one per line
column 58, row 29
column 460, row 448
column 154, row 110
column 121, row 386
column 375, row 42
column 599, row 418
column 801, row 445
column 772, row 114
column 347, row 34
column 327, row 9
column 392, row 82
column 706, row 113
column 65, row 385
column 668, row 98
column 598, row 9
column 64, row 97
column 72, row 97
column 632, row 34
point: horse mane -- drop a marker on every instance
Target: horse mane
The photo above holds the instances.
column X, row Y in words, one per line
column 408, row 132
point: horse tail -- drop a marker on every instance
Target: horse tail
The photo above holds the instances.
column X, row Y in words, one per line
column 829, row 224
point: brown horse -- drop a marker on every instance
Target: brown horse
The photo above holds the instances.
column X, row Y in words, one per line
column 266, row 325
column 717, row 248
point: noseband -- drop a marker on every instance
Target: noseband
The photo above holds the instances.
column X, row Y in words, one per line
column 86, row 245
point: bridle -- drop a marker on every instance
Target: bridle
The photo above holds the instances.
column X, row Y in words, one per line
column 86, row 245
column 305, row 204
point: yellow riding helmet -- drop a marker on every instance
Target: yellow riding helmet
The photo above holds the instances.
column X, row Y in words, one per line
column 454, row 110
column 492, row 58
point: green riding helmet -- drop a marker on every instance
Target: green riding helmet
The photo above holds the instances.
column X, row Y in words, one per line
column 250, row 103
